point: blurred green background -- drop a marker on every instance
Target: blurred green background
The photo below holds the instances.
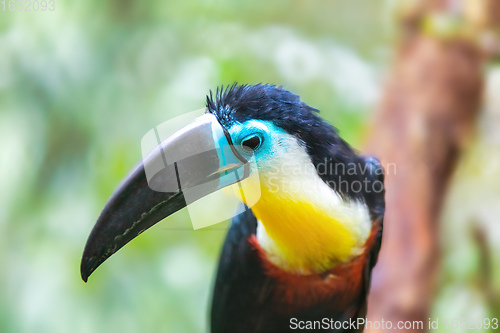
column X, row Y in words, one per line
column 81, row 85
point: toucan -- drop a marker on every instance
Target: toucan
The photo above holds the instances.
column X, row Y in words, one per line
column 300, row 255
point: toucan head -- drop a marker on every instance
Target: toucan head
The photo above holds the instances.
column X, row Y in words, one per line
column 246, row 129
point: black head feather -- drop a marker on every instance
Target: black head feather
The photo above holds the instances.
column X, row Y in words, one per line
column 336, row 162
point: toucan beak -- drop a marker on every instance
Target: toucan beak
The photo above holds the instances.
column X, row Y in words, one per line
column 199, row 154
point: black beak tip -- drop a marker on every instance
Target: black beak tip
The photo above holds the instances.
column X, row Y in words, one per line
column 86, row 268
column 85, row 277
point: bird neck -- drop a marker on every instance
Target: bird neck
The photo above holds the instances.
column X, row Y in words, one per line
column 303, row 225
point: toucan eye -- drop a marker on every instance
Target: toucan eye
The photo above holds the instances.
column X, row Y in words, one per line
column 251, row 143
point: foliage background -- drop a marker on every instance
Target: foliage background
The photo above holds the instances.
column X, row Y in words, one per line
column 81, row 85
